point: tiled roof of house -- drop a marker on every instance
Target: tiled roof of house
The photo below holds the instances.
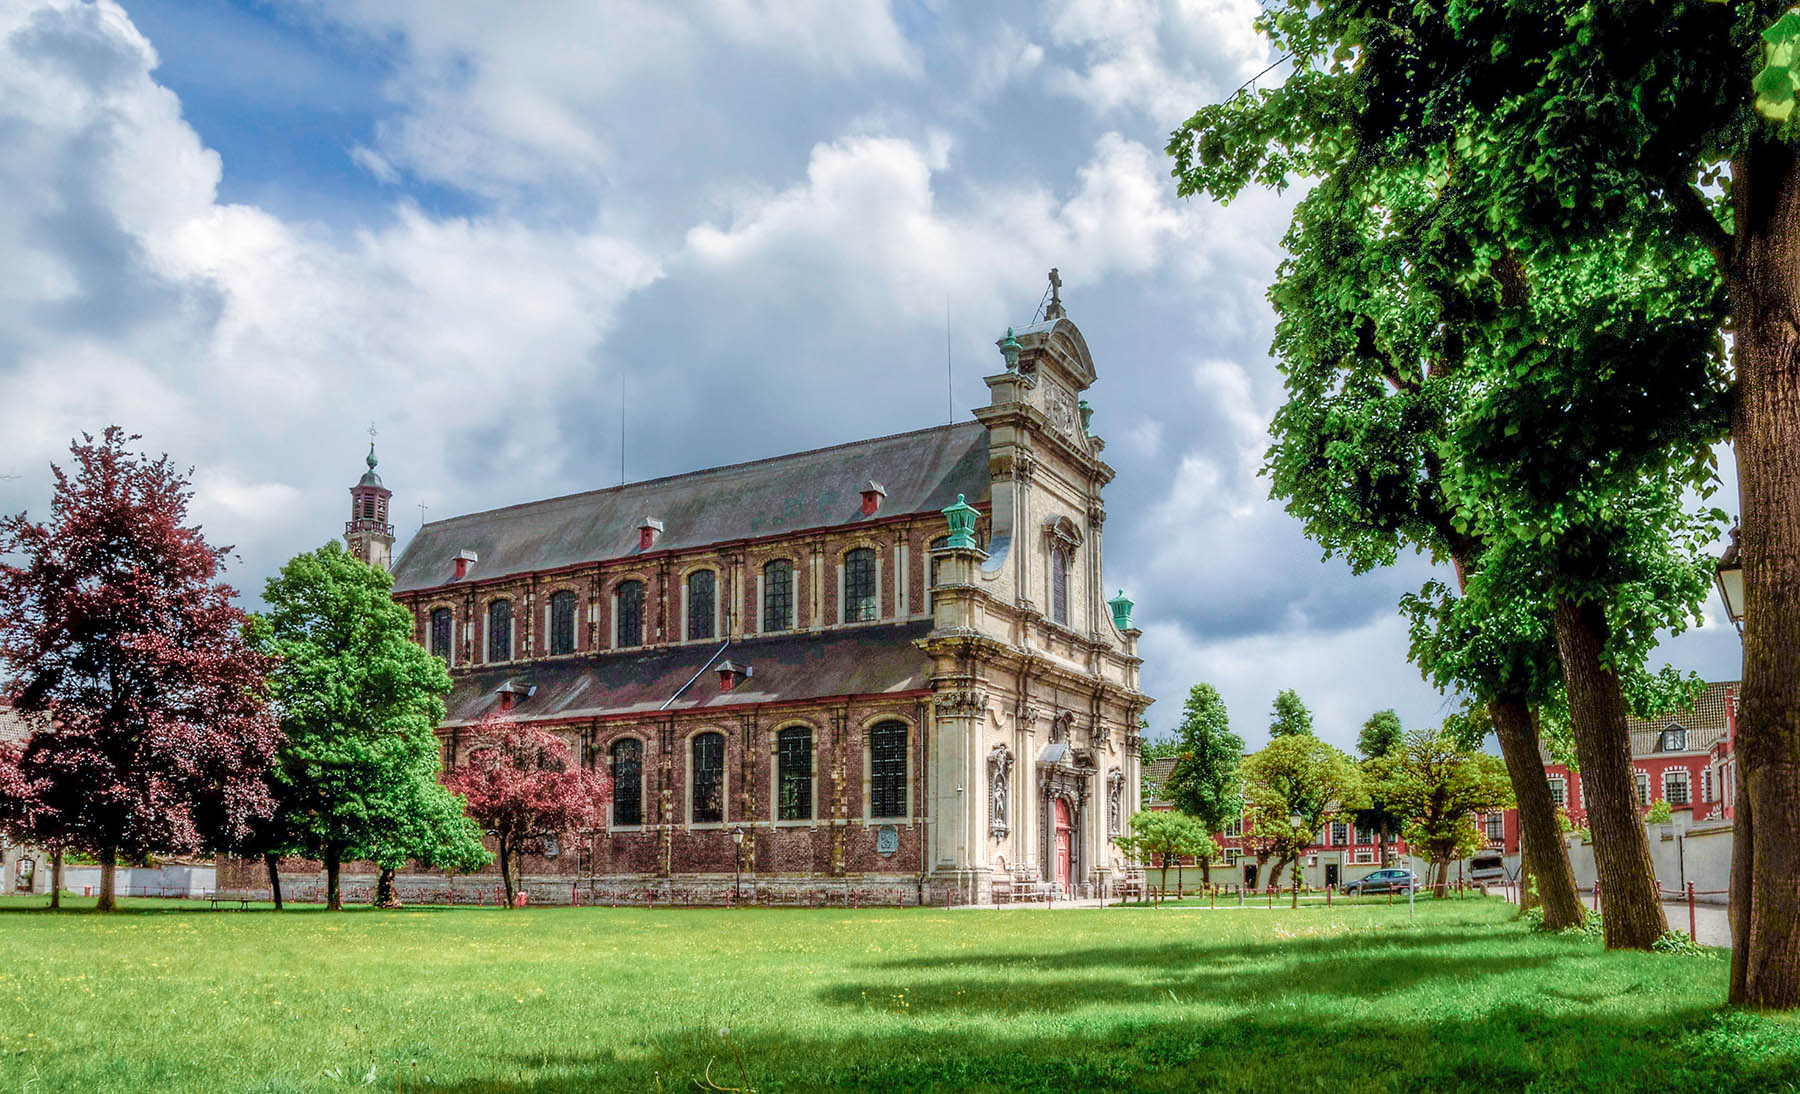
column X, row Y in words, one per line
column 1704, row 722
column 922, row 471
column 1155, row 775
column 876, row 660
column 13, row 726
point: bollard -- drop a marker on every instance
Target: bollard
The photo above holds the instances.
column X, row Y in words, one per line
column 1240, row 892
column 1596, row 894
column 1390, row 896
column 1271, row 896
column 1215, row 896
column 1693, row 930
column 1328, row 896
column 574, row 894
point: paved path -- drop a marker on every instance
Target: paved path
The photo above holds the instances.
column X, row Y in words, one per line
column 1712, row 922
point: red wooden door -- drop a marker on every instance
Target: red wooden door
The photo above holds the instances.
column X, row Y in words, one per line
column 1064, row 834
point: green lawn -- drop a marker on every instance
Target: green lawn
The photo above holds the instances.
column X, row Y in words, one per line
column 167, row 997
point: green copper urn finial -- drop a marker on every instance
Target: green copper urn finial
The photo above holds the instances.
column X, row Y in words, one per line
column 371, row 461
column 1009, row 349
column 962, row 523
column 1121, row 611
column 1087, row 416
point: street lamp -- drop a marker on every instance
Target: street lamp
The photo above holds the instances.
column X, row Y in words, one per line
column 1296, row 820
column 737, row 865
column 1728, row 575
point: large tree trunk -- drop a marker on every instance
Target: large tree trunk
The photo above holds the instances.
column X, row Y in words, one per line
column 109, row 875
column 273, row 862
column 506, row 878
column 1440, row 885
column 384, row 890
column 334, row 897
column 56, row 878
column 1541, row 844
column 1765, row 300
column 1738, row 915
column 1630, row 904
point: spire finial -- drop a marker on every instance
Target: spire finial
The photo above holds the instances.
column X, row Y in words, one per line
column 371, row 458
column 1055, row 310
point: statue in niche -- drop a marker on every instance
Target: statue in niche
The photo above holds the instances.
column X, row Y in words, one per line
column 1060, row 727
column 1115, row 801
column 1000, row 761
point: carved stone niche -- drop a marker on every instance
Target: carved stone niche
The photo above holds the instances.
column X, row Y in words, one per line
column 1000, row 763
column 1062, row 726
column 1115, row 797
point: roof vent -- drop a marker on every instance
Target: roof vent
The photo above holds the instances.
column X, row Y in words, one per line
column 649, row 532
column 512, row 692
column 465, row 558
column 731, row 675
column 872, row 495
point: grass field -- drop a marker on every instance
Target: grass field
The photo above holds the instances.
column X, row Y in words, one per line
column 164, row 997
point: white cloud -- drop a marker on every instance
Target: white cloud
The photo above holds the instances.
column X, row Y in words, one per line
column 1163, row 58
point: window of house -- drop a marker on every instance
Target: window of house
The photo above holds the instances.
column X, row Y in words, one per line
column 562, row 622
column 630, row 613
column 700, row 585
column 709, row 778
column 1365, row 835
column 1675, row 786
column 500, row 630
column 1340, row 834
column 1675, row 740
column 1643, row 787
column 793, row 774
column 1706, row 791
column 1059, row 585
column 1364, row 857
column 628, row 781
column 1496, row 827
column 443, row 628
column 778, row 595
column 1234, row 826
column 1559, row 795
column 887, row 770
column 859, row 585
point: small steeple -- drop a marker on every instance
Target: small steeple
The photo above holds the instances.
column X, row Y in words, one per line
column 367, row 533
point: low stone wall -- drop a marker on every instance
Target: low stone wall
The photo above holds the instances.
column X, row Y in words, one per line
column 685, row 890
column 1701, row 855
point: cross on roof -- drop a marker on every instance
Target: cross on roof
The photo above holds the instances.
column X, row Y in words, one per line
column 1055, row 310
column 371, row 432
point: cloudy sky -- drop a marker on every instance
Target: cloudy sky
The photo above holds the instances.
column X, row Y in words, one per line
column 247, row 230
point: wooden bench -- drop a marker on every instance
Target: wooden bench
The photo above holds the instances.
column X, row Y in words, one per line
column 241, row 897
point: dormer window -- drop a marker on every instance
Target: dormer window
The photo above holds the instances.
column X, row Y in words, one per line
column 871, row 498
column 464, row 560
column 1674, row 739
column 649, row 532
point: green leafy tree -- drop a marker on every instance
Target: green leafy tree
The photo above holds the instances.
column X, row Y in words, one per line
column 1297, row 775
column 1205, row 783
column 1161, row 837
column 1660, row 812
column 1289, row 715
column 1380, row 735
column 1561, row 130
column 1437, row 786
column 360, row 702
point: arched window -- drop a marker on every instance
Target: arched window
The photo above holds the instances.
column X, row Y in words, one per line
column 778, row 595
column 887, row 769
column 859, row 585
column 1059, row 585
column 562, row 622
column 443, row 629
column 793, row 774
column 500, row 631
column 708, row 787
column 700, row 585
column 628, row 782
column 630, row 612
column 931, row 597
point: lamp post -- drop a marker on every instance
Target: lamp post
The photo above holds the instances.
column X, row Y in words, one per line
column 1728, row 575
column 737, row 863
column 1296, row 820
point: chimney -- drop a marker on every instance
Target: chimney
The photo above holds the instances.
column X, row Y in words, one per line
column 871, row 497
column 731, row 675
column 649, row 532
column 511, row 692
column 464, row 559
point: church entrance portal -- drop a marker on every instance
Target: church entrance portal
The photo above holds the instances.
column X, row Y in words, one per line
column 1064, row 836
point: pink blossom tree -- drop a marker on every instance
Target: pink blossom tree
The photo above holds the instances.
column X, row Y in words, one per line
column 524, row 789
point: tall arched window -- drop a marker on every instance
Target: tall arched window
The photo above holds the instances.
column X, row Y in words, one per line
column 931, row 597
column 630, row 613
column 1059, row 585
column 628, row 781
column 562, row 622
column 859, row 586
column 793, row 774
column 708, row 787
column 443, row 629
column 500, row 630
column 778, row 595
column 700, row 586
column 887, row 769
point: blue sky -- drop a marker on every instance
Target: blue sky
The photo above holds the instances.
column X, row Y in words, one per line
column 246, row 230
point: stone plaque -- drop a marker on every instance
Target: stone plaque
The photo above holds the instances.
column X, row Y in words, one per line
column 887, row 839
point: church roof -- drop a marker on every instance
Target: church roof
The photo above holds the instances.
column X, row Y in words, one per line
column 880, row 660
column 922, row 471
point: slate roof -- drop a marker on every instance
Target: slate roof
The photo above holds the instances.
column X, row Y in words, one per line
column 1705, row 723
column 876, row 660
column 922, row 471
column 1154, row 776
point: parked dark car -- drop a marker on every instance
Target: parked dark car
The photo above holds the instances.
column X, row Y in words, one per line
column 1383, row 881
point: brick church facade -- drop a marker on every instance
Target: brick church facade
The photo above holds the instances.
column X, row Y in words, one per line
column 886, row 667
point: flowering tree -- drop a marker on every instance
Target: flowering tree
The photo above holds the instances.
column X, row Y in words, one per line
column 115, row 629
column 523, row 789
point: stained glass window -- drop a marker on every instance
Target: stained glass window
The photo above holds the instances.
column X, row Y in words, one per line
column 887, row 770
column 443, row 630
column 1059, row 586
column 500, row 630
column 562, row 622
column 700, row 586
column 778, row 595
column 859, row 585
column 709, row 778
column 631, row 613
column 628, row 781
column 794, row 768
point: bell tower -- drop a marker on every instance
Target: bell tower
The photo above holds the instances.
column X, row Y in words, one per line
column 367, row 533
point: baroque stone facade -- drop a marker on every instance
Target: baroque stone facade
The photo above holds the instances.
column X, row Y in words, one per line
column 800, row 681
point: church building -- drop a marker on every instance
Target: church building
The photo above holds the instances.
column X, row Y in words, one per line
column 887, row 667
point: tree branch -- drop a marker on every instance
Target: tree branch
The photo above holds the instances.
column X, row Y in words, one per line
column 1692, row 213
